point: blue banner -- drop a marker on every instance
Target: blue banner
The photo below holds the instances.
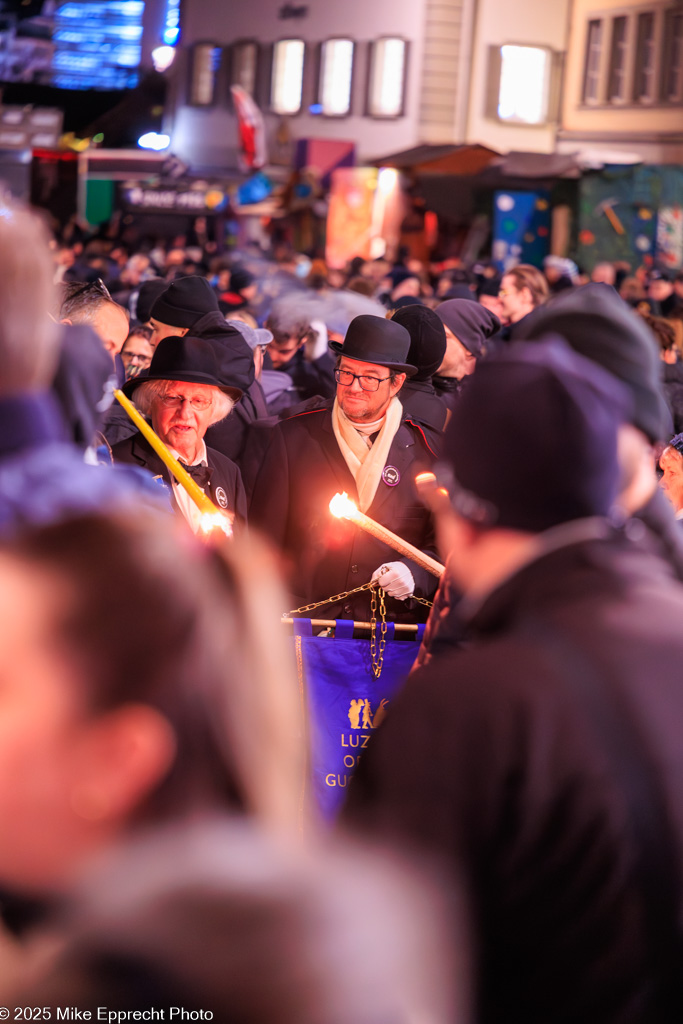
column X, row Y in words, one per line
column 344, row 700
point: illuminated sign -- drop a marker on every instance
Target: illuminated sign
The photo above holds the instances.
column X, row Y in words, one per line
column 171, row 33
column 175, row 199
column 98, row 44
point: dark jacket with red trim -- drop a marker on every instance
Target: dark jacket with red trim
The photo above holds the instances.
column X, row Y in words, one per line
column 422, row 404
column 302, row 470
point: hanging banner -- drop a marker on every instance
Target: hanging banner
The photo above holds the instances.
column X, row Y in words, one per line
column 345, row 702
column 251, row 129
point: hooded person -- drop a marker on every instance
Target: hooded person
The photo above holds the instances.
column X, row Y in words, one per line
column 190, row 305
column 598, row 324
column 469, row 328
column 419, row 398
column 183, row 394
column 84, row 376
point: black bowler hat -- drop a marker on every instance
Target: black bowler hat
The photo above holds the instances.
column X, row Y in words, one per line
column 185, row 301
column 187, row 359
column 371, row 339
column 532, row 441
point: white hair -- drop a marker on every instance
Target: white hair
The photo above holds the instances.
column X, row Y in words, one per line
column 29, row 336
column 146, row 394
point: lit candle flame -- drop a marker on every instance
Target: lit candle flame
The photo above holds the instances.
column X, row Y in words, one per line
column 210, row 521
column 424, row 479
column 342, row 507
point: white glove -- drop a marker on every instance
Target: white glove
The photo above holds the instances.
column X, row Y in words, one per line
column 396, row 579
column 317, row 346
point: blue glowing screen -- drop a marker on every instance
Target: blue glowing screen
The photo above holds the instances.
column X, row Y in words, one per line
column 71, row 44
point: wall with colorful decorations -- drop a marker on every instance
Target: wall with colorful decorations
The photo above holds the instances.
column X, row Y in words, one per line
column 633, row 214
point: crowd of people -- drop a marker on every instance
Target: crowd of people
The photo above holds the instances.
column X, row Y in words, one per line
column 511, row 846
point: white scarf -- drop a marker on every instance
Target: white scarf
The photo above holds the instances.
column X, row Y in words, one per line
column 366, row 464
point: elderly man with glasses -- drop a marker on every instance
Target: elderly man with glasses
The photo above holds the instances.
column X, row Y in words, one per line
column 361, row 443
column 183, row 394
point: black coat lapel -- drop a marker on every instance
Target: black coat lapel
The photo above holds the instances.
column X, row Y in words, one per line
column 400, row 458
column 143, row 453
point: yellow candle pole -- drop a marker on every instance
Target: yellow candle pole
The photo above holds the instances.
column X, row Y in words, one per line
column 214, row 516
column 342, row 507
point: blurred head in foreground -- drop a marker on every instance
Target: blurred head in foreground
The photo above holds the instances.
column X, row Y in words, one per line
column 217, row 919
column 29, row 337
column 531, row 447
column 136, row 689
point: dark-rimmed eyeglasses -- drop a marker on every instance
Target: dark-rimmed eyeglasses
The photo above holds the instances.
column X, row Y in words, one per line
column 346, row 379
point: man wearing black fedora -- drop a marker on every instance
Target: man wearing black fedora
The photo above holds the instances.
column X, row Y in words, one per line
column 362, row 443
column 183, row 395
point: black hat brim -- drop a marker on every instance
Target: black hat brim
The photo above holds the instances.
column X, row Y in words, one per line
column 406, row 368
column 186, row 377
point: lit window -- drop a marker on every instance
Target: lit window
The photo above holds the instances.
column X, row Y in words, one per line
column 617, row 65
column 591, row 78
column 244, row 61
column 524, row 81
column 644, row 90
column 288, row 75
column 336, row 66
column 387, row 75
column 206, row 60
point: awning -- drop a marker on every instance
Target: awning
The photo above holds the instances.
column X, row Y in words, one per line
column 439, row 160
column 534, row 166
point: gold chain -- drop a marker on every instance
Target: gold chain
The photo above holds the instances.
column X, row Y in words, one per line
column 377, row 659
column 376, row 656
column 329, row 600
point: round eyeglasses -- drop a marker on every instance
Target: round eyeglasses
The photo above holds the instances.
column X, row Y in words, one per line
column 199, row 403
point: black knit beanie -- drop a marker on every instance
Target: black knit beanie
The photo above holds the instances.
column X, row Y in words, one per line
column 427, row 339
column 185, row 301
column 599, row 325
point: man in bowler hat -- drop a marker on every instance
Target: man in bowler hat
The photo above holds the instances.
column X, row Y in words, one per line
column 362, row 443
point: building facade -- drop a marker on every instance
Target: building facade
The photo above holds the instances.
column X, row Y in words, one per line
column 623, row 91
column 386, row 76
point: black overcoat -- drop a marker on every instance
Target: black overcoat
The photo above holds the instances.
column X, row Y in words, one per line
column 492, row 758
column 225, row 482
column 302, row 470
